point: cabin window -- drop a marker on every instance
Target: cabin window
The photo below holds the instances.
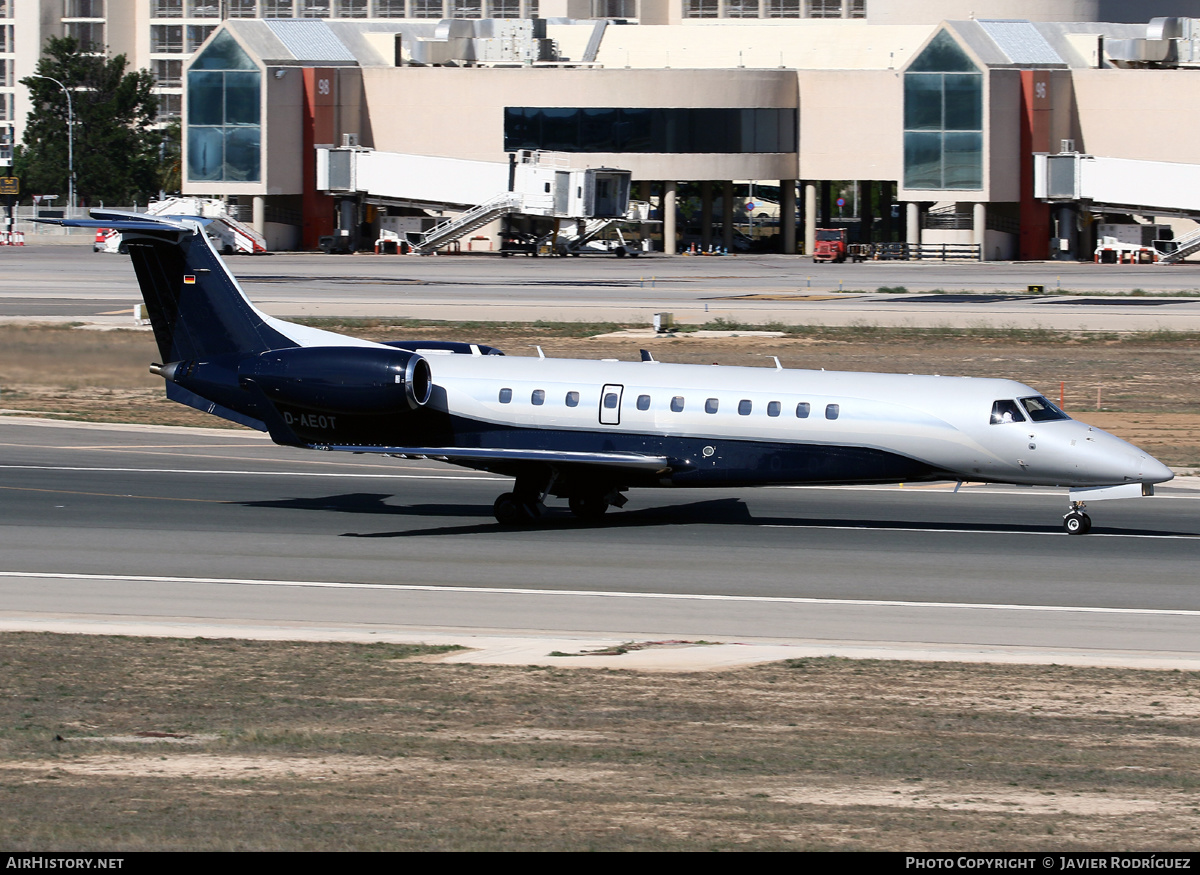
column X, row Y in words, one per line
column 677, row 404
column 572, row 399
column 744, row 407
column 505, row 396
column 802, row 410
column 1042, row 409
column 643, row 402
column 610, row 401
column 1006, row 411
column 538, row 398
column 832, row 411
column 710, row 406
column 773, row 408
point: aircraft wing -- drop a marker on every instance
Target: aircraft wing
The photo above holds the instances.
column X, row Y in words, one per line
column 629, row 461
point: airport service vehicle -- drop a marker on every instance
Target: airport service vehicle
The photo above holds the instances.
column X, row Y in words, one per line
column 830, row 245
column 588, row 431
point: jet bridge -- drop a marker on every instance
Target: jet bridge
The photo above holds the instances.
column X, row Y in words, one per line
column 538, row 184
column 1159, row 188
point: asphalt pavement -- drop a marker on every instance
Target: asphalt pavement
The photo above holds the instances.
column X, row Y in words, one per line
column 194, row 532
column 68, row 282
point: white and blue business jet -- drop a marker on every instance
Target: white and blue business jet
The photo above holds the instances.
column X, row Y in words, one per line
column 588, row 431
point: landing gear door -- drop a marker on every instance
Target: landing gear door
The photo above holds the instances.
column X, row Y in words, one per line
column 610, row 404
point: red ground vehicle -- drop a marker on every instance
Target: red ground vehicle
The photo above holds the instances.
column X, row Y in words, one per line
column 831, row 245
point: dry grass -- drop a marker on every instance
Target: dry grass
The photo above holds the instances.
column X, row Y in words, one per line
column 303, row 746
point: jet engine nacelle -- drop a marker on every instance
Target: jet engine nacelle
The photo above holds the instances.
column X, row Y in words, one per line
column 352, row 379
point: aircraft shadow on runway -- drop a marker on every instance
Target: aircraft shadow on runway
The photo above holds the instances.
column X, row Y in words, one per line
column 371, row 503
column 721, row 511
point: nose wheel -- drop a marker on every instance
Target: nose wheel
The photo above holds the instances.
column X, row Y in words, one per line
column 1076, row 522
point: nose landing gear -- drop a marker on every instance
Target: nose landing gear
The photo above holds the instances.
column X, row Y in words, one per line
column 1076, row 522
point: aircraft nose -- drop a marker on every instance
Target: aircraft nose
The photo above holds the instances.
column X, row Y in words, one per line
column 1154, row 471
column 1116, row 461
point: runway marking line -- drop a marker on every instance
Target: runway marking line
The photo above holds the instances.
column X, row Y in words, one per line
column 245, row 473
column 111, row 494
column 156, row 450
column 971, row 531
column 658, row 596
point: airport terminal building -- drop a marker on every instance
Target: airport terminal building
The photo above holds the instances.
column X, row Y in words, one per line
column 927, row 115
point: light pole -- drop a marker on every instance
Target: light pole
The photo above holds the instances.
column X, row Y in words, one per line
column 70, row 143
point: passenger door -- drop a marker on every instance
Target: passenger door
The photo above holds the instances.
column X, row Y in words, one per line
column 610, row 404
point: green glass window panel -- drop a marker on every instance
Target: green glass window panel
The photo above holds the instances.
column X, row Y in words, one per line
column 241, row 98
column 923, row 102
column 223, row 53
column 206, row 98
column 963, row 161
column 964, row 102
column 598, row 130
column 637, row 130
column 560, row 130
column 705, row 131
column 943, row 55
column 768, row 136
column 922, row 160
column 721, row 130
column 522, row 127
column 242, row 154
column 206, row 154
column 747, row 135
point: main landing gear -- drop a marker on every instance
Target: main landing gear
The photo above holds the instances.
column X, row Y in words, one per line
column 525, row 504
column 514, row 509
column 1076, row 522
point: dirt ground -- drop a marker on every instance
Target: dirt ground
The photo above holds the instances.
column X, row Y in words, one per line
column 1145, row 391
column 144, row 744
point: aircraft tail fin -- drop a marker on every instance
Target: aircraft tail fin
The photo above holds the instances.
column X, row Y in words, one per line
column 196, row 307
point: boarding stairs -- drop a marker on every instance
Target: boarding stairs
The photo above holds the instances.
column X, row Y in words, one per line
column 1184, row 246
column 463, row 224
column 541, row 185
column 230, row 234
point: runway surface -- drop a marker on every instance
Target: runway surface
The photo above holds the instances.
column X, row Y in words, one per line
column 68, row 282
column 201, row 528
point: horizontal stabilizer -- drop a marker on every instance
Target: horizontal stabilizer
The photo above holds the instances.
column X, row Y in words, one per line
column 123, row 220
column 630, row 461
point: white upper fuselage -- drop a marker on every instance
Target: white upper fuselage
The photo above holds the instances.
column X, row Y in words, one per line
column 944, row 422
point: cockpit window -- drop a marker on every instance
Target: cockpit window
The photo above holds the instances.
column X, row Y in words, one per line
column 1042, row 409
column 1006, row 411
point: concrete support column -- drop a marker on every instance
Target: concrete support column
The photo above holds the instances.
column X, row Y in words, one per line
column 706, row 215
column 979, row 224
column 646, row 230
column 810, row 217
column 1065, row 217
column 912, row 230
column 787, row 215
column 727, row 215
column 259, row 214
column 668, row 217
column 348, row 220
